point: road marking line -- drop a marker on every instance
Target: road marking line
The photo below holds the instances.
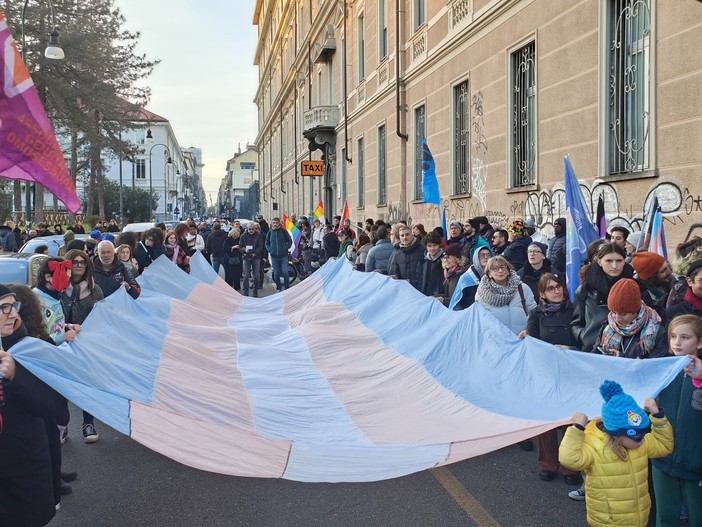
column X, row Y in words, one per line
column 465, row 499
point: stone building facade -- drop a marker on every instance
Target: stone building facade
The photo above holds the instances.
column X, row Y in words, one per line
column 502, row 90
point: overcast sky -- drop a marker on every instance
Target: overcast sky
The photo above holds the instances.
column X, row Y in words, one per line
column 206, row 81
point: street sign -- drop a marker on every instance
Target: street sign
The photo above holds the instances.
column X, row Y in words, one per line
column 313, row 168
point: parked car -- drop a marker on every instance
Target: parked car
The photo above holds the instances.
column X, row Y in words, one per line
column 20, row 268
column 53, row 242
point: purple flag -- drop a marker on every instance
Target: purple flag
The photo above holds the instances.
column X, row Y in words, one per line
column 28, row 146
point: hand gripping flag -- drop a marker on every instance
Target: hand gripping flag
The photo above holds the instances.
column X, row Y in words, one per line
column 321, row 382
column 28, row 147
column 430, row 185
column 579, row 231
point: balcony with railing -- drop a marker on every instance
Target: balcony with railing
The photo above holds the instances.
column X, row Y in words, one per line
column 320, row 118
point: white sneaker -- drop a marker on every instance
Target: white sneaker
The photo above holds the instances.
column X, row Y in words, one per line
column 577, row 494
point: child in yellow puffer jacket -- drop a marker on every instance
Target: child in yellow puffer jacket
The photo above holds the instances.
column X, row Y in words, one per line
column 614, row 453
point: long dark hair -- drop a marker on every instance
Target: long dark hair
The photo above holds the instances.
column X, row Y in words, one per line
column 89, row 276
column 30, row 312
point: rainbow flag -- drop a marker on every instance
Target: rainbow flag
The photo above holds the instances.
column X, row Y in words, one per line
column 318, row 213
column 295, row 233
column 28, row 147
column 316, row 383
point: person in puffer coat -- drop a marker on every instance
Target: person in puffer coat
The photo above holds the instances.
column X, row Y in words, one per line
column 406, row 264
column 614, row 453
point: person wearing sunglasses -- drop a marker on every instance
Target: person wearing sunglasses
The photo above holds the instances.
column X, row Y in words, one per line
column 549, row 321
column 26, row 403
column 614, row 452
column 78, row 300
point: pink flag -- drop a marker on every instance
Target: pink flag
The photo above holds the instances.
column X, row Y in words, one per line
column 28, row 146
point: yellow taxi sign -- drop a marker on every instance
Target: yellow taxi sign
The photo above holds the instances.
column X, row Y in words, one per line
column 313, row 168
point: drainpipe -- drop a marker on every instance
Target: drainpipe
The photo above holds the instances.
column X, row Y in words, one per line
column 346, row 97
column 398, row 109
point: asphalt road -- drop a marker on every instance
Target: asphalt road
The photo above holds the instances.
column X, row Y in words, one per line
column 122, row 483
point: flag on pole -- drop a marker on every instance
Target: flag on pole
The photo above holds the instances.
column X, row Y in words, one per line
column 652, row 234
column 294, row 232
column 579, row 231
column 444, row 224
column 601, row 222
column 430, row 185
column 28, row 147
column 344, row 216
column 318, row 213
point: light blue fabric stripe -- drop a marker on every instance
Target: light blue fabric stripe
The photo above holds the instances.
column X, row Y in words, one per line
column 335, row 464
column 201, row 269
column 163, row 276
column 101, row 357
column 471, row 354
column 289, row 398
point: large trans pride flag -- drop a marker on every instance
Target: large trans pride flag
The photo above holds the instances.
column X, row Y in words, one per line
column 348, row 376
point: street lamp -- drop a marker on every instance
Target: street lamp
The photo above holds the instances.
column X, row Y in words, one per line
column 55, row 52
column 169, row 161
column 149, row 140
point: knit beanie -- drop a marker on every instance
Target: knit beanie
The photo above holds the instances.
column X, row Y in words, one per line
column 621, row 416
column 646, row 263
column 624, row 297
column 6, row 291
column 68, row 236
column 475, row 223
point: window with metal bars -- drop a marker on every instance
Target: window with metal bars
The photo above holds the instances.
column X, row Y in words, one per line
column 461, row 138
column 523, row 119
column 382, row 181
column 628, row 71
column 419, row 134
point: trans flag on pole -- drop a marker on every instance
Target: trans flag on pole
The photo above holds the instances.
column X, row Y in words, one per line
column 28, row 147
column 295, row 233
column 652, row 233
column 430, row 185
column 579, row 230
column 322, row 382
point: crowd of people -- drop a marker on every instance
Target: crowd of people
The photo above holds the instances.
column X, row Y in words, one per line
column 629, row 304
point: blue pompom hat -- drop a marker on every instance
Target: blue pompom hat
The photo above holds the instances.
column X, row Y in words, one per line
column 621, row 416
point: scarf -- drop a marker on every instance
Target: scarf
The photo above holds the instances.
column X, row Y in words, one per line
column 549, row 309
column 176, row 249
column 646, row 325
column 448, row 273
column 491, row 293
column 59, row 278
column 692, row 299
column 596, row 279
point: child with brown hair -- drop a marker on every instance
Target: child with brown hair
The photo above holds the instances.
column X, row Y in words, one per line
column 614, row 452
column 677, row 477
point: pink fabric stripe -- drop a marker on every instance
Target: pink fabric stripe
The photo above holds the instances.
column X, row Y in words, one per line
column 213, row 302
column 201, row 379
column 298, row 299
column 466, row 449
column 208, row 446
column 389, row 397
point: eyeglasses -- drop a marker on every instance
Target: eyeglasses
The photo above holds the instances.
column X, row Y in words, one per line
column 534, row 252
column 498, row 268
column 7, row 308
column 554, row 288
column 79, row 263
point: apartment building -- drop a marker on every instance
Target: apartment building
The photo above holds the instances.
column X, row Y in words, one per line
column 501, row 90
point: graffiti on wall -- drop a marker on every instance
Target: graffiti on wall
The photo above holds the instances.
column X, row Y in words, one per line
column 480, row 147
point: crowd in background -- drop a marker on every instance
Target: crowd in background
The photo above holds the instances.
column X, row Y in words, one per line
column 625, row 306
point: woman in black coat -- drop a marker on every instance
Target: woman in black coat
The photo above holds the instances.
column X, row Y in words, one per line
column 26, row 481
column 232, row 263
column 550, row 322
